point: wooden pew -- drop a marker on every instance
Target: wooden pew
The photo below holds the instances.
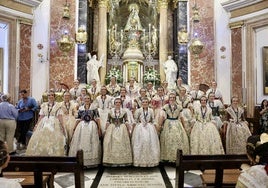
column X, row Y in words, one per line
column 205, row 162
column 41, row 166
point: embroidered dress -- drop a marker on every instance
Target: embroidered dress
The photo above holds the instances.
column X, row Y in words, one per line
column 116, row 144
column 94, row 92
column 69, row 113
column 237, row 131
column 103, row 103
column 157, row 103
column 254, row 177
column 133, row 91
column 145, row 142
column 215, row 106
column 196, row 95
column 49, row 138
column 113, row 90
column 186, row 113
column 205, row 138
column 86, row 137
column 173, row 135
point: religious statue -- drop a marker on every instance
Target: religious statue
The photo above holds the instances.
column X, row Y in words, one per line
column 93, row 66
column 170, row 69
column 133, row 22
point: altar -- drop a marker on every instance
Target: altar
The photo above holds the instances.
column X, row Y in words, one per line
column 132, row 46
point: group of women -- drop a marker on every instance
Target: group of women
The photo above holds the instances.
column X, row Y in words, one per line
column 119, row 126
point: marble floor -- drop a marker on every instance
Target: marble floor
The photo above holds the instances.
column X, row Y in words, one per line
column 123, row 177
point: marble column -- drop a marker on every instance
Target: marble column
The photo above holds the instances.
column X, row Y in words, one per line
column 83, row 19
column 25, row 56
column 236, row 71
column 102, row 36
column 163, row 35
column 181, row 48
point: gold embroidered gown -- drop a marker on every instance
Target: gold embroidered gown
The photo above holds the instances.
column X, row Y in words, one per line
column 86, row 137
column 69, row 114
column 49, row 138
column 205, row 138
column 116, row 144
column 145, row 142
column 237, row 131
column 173, row 135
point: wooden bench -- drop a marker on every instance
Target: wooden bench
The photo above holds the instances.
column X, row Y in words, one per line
column 43, row 167
column 230, row 177
column 206, row 162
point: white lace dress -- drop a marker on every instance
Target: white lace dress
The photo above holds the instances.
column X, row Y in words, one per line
column 86, row 137
column 205, row 138
column 237, row 131
column 116, row 143
column 49, row 138
column 173, row 135
column 145, row 142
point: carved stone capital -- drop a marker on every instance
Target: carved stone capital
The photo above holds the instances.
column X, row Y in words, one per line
column 163, row 4
column 235, row 25
column 103, row 3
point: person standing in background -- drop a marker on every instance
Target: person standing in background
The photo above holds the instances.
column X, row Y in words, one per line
column 8, row 116
column 26, row 107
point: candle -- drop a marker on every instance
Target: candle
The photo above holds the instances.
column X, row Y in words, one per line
column 121, row 40
column 115, row 30
column 149, row 41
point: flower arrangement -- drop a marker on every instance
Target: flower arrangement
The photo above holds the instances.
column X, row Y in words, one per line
column 151, row 75
column 114, row 72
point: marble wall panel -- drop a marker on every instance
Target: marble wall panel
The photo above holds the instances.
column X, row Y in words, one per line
column 202, row 68
column 25, row 57
column 236, row 74
column 61, row 64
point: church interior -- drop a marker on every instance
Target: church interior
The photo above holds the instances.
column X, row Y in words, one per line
column 45, row 42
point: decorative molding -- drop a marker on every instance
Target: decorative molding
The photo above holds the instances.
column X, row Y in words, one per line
column 11, row 12
column 235, row 25
column 232, row 5
column 31, row 3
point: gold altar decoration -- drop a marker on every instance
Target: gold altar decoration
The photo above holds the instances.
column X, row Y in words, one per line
column 183, row 36
column 196, row 47
column 81, row 35
column 196, row 17
column 65, row 43
column 66, row 11
column 132, row 68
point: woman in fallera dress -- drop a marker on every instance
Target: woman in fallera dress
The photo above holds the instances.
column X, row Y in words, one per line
column 173, row 135
column 116, row 144
column 86, row 135
column 69, row 109
column 205, row 138
column 187, row 112
column 237, row 131
column 145, row 142
column 49, row 137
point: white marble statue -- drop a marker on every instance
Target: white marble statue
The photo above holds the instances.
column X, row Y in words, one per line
column 93, row 66
column 170, row 69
